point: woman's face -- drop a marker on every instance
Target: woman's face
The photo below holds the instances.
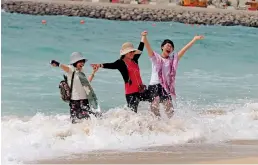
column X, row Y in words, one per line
column 80, row 64
column 130, row 55
column 167, row 49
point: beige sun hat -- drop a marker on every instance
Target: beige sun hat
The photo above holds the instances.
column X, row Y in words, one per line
column 128, row 47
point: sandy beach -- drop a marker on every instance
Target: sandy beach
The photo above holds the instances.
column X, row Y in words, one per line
column 236, row 152
column 248, row 160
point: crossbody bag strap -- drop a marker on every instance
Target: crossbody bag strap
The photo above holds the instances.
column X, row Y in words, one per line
column 71, row 88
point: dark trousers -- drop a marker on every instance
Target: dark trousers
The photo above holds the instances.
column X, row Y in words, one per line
column 134, row 99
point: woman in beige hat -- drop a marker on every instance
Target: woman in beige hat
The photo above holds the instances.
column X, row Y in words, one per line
column 79, row 103
column 129, row 68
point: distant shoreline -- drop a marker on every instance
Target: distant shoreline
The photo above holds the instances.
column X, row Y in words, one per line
column 129, row 12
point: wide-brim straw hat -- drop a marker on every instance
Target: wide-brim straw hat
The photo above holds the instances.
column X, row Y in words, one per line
column 127, row 48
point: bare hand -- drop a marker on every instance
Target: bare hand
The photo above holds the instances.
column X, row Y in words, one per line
column 95, row 66
column 144, row 33
column 198, row 37
column 95, row 69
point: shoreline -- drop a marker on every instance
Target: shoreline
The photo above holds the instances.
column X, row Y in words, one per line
column 188, row 153
column 130, row 12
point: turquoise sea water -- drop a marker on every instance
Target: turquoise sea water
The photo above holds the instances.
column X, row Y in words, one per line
column 219, row 72
column 220, row 68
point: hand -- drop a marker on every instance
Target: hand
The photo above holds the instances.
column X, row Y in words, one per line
column 54, row 63
column 95, row 66
column 95, row 69
column 144, row 33
column 198, row 37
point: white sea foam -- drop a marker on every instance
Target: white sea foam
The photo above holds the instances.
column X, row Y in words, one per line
column 41, row 136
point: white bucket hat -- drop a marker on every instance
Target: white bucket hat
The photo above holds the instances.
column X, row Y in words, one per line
column 128, row 47
column 76, row 56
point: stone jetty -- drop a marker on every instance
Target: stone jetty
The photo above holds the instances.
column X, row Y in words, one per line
column 139, row 12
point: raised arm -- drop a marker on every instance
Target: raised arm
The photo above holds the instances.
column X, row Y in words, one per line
column 62, row 66
column 140, row 47
column 147, row 44
column 189, row 45
column 90, row 78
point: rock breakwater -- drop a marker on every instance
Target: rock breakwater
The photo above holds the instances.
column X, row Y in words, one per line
column 133, row 12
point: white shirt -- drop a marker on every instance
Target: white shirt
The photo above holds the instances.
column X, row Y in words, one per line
column 78, row 92
column 165, row 69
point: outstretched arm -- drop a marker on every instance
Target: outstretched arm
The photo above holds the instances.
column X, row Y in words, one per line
column 189, row 45
column 147, row 44
column 62, row 66
column 113, row 65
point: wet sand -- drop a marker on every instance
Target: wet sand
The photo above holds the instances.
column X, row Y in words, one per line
column 236, row 151
column 248, row 160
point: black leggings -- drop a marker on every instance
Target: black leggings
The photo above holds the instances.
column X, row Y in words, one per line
column 134, row 99
column 79, row 109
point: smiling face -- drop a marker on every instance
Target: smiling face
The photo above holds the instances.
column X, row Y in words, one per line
column 79, row 64
column 130, row 55
column 167, row 48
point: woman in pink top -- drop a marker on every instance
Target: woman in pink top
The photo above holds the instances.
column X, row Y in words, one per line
column 164, row 66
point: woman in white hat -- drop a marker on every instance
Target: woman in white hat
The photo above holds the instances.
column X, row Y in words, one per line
column 129, row 68
column 79, row 103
